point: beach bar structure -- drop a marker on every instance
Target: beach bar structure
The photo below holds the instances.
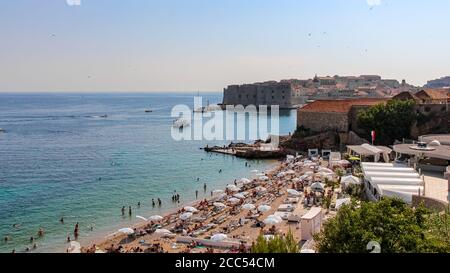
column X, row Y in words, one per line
column 366, row 151
column 393, row 180
column 311, row 223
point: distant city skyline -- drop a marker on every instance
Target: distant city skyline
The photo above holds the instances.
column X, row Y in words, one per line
column 201, row 45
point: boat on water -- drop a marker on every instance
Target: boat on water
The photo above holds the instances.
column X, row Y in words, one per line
column 181, row 123
column 148, row 110
column 2, row 130
column 104, row 116
column 208, row 108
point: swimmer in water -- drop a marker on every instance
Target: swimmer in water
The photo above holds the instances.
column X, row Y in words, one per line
column 61, row 220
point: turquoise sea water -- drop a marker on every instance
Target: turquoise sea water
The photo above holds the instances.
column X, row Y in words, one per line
column 59, row 158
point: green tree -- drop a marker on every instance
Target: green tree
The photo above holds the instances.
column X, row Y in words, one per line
column 397, row 227
column 438, row 232
column 392, row 121
column 279, row 244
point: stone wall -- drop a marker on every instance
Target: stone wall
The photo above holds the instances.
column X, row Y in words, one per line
column 430, row 203
column 321, row 122
column 271, row 93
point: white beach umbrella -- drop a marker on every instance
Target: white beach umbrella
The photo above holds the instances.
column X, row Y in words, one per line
column 309, row 173
column 350, row 179
column 127, row 231
column 233, row 188
column 281, row 174
column 318, row 186
column 239, row 196
column 220, row 196
column 219, row 205
column 162, row 232
column 190, row 209
column 293, row 192
column 233, row 200
column 272, row 221
column 141, row 217
column 269, row 237
column 186, row 216
column 248, row 207
column 244, row 181
column 155, row 218
column 219, row 237
column 263, row 178
column 74, row 247
column 264, row 208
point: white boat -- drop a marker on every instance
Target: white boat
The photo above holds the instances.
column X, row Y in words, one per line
column 181, row 123
column 2, row 130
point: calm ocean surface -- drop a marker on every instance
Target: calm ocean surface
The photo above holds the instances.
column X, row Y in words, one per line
column 58, row 158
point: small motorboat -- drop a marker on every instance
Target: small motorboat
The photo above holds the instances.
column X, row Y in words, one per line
column 104, row 116
column 148, row 110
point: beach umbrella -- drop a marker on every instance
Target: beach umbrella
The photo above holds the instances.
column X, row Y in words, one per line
column 342, row 201
column 190, row 209
column 155, row 218
column 309, row 173
column 269, row 237
column 217, row 191
column 74, row 247
column 248, row 207
column 162, row 231
column 219, row 205
column 273, row 220
column 318, row 186
column 218, row 237
column 264, row 208
column 260, row 189
column 220, row 196
column 293, row 192
column 350, row 179
column 233, row 200
column 239, row 196
column 141, row 217
column 244, row 181
column 263, row 178
column 186, row 216
column 281, row 174
column 127, row 231
column 233, row 188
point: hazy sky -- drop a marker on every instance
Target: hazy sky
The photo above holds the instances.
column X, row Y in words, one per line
column 190, row 45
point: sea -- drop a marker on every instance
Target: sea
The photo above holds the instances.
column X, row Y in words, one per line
column 83, row 156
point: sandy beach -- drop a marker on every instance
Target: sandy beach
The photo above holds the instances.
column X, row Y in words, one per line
column 232, row 219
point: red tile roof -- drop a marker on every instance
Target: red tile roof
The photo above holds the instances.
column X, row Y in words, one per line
column 435, row 94
column 339, row 106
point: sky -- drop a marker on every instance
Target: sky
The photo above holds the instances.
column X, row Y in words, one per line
column 204, row 45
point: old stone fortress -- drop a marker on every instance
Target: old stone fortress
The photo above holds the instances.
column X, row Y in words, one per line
column 293, row 93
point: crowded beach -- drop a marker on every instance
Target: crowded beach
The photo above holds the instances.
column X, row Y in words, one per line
column 285, row 199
